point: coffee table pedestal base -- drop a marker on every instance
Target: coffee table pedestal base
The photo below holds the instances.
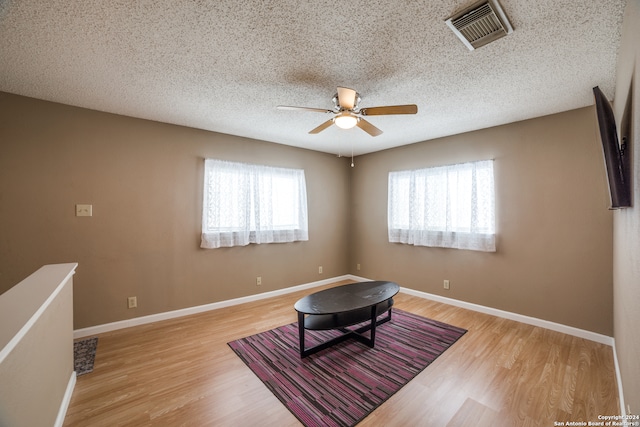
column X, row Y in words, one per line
column 340, row 322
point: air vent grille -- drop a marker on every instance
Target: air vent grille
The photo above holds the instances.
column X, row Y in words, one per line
column 479, row 24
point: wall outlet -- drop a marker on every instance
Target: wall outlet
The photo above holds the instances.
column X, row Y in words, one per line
column 358, row 267
column 446, row 284
column 84, row 210
column 132, row 302
column 258, row 281
column 320, row 270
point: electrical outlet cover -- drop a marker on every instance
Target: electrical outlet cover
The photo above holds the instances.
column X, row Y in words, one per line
column 84, row 210
column 132, row 302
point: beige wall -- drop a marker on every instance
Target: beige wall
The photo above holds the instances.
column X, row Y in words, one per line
column 554, row 244
column 144, row 180
column 626, row 273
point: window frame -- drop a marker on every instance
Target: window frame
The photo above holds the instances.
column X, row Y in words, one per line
column 412, row 194
column 257, row 204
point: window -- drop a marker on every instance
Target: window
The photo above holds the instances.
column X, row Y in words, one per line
column 448, row 206
column 245, row 203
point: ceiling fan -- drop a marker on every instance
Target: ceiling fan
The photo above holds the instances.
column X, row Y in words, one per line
column 348, row 114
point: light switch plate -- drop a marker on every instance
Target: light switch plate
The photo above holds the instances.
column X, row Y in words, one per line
column 84, row 210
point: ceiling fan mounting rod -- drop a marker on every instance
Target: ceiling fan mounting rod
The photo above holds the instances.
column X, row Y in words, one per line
column 338, row 108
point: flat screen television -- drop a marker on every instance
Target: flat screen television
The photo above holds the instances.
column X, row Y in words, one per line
column 615, row 156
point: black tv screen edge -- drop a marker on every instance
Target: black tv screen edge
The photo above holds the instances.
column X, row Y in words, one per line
column 617, row 173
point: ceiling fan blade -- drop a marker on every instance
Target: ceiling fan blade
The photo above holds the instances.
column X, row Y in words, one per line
column 322, row 127
column 389, row 109
column 368, row 127
column 317, row 110
column 346, row 98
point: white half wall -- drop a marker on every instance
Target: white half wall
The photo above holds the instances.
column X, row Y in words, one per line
column 36, row 348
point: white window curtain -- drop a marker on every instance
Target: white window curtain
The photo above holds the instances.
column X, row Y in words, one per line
column 247, row 203
column 448, row 206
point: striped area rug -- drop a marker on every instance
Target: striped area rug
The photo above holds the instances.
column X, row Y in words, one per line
column 341, row 385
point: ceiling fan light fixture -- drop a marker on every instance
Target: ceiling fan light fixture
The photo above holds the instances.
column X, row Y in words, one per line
column 346, row 121
column 347, row 114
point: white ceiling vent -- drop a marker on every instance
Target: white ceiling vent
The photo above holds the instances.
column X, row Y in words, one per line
column 480, row 23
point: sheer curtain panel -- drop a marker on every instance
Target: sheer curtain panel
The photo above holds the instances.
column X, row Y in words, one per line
column 448, row 206
column 246, row 203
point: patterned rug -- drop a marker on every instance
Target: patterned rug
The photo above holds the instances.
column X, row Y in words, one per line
column 341, row 385
column 84, row 353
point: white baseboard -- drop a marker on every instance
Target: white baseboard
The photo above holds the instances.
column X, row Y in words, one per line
column 569, row 330
column 99, row 329
column 93, row 330
column 64, row 405
column 623, row 407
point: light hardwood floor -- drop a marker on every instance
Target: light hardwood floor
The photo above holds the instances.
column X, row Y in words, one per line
column 181, row 372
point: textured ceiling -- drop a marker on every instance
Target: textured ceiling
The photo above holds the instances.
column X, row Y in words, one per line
column 224, row 65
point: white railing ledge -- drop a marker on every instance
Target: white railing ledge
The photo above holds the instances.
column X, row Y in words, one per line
column 23, row 304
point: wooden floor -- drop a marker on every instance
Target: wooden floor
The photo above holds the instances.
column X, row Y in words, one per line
column 181, row 372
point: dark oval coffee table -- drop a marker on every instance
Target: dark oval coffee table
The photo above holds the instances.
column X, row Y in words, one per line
column 343, row 306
